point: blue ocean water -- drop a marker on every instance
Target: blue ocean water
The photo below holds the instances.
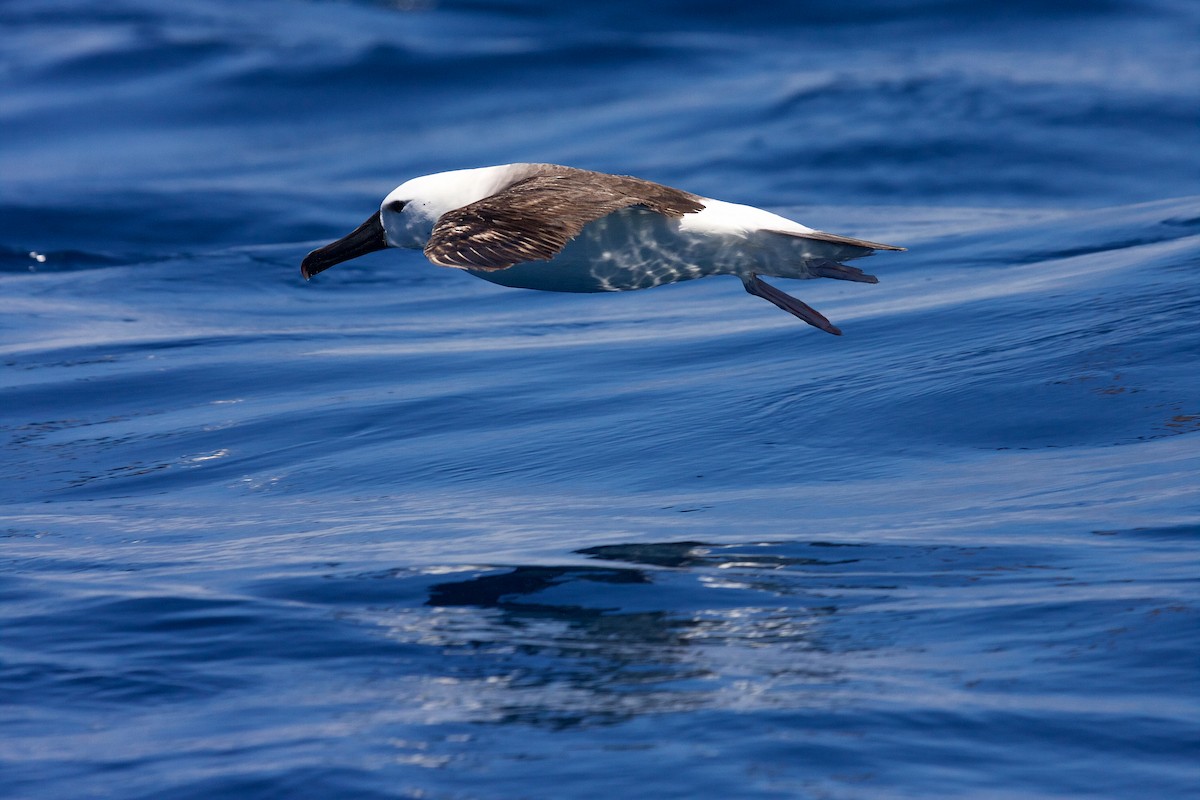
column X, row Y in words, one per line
column 400, row 533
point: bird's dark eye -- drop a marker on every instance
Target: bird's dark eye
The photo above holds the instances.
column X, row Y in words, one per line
column 396, row 205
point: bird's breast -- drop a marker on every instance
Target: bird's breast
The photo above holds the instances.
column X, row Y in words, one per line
column 630, row 249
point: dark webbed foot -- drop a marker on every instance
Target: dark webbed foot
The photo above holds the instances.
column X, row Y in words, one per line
column 824, row 268
column 789, row 304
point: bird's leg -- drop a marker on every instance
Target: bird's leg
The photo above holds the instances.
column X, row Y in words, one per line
column 789, row 304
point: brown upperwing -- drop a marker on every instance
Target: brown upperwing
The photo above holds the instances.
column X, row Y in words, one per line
column 535, row 217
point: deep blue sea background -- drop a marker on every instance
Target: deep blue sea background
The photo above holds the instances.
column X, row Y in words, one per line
column 401, row 533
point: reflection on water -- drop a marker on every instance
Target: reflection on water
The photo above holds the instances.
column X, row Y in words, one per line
column 687, row 554
column 671, row 626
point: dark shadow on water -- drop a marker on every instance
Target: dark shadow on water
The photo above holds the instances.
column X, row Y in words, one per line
column 689, row 554
column 491, row 590
column 689, row 625
column 627, row 630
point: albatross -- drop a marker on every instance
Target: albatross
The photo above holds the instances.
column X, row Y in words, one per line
column 562, row 229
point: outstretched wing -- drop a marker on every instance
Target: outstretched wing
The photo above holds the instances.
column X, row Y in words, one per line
column 534, row 218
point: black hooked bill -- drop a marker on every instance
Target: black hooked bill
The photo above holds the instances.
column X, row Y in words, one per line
column 366, row 238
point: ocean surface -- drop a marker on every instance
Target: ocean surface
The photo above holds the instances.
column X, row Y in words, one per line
column 401, row 533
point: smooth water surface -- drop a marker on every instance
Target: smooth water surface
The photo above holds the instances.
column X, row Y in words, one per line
column 400, row 533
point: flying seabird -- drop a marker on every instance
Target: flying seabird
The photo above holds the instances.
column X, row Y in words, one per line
column 561, row 229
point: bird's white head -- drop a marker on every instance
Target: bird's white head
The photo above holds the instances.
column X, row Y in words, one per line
column 407, row 215
column 410, row 211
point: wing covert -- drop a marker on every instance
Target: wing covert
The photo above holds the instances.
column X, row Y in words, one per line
column 533, row 219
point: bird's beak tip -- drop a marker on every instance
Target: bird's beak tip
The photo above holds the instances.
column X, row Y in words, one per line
column 366, row 238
